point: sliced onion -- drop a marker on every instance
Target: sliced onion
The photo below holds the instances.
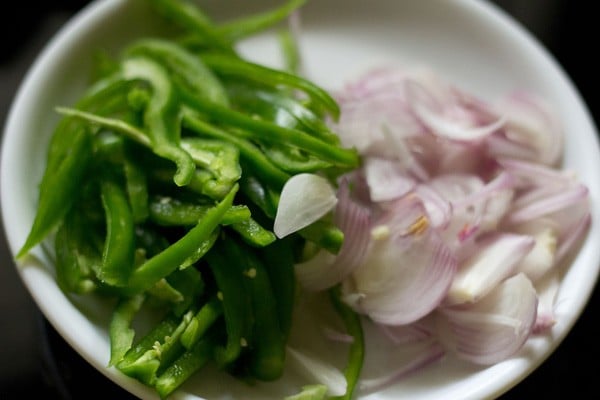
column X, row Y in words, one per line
column 497, row 258
column 304, row 199
column 547, row 289
column 531, row 124
column 325, row 269
column 494, row 328
column 542, row 256
column 386, row 180
column 408, row 269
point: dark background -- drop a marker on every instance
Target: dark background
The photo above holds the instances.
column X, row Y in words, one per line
column 34, row 359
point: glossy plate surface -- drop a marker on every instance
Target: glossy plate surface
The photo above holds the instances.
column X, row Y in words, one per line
column 468, row 42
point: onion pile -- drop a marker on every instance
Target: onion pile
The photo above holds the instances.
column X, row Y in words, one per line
column 457, row 222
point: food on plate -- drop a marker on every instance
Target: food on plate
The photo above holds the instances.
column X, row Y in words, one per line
column 232, row 201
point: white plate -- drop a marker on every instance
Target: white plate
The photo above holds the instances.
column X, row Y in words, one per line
column 469, row 42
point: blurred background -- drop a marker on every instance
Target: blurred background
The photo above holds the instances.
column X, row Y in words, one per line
column 34, row 359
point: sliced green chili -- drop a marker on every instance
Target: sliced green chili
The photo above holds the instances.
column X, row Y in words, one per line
column 172, row 257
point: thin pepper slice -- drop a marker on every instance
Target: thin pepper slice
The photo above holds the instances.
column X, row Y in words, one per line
column 121, row 334
column 135, row 362
column 249, row 152
column 226, row 65
column 119, row 247
column 280, row 107
column 250, row 25
column 265, row 131
column 186, row 69
column 193, row 20
column 228, row 271
column 172, row 257
column 254, row 233
column 279, row 261
column 356, row 354
column 77, row 259
column 60, row 189
column 202, row 321
column 169, row 211
column 184, row 367
column 267, row 352
column 161, row 115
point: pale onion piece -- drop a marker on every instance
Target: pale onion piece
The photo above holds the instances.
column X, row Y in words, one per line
column 407, row 272
column 324, row 270
column 402, row 334
column 545, row 202
column 496, row 259
column 401, row 361
column 386, row 179
column 305, row 198
column 387, row 361
column 494, row 328
column 531, row 174
column 547, row 289
column 531, row 123
column 445, row 116
column 362, row 123
column 438, row 208
column 542, row 256
column 573, row 236
column 315, row 369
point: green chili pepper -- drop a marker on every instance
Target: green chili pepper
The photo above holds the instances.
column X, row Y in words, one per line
column 253, row 233
column 191, row 19
column 118, row 254
column 120, row 332
column 161, row 115
column 280, row 107
column 229, row 66
column 265, row 131
column 357, row 348
column 279, row 261
column 259, row 195
column 251, row 154
column 201, row 322
column 172, row 257
column 184, row 367
column 169, row 211
column 140, row 361
column 77, row 259
column 60, row 189
column 228, row 269
column 250, row 25
column 136, row 185
column 267, row 351
column 160, row 354
column 186, row 69
column 324, row 234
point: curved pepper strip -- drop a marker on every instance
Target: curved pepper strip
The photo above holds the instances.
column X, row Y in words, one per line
column 76, row 257
column 249, row 152
column 267, row 352
column 119, row 246
column 225, row 263
column 172, row 257
column 193, row 20
column 186, row 69
column 279, row 107
column 60, row 189
column 265, row 131
column 161, row 115
column 226, row 65
column 253, row 24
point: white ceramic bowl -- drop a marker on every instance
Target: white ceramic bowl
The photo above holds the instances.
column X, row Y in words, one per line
column 469, row 42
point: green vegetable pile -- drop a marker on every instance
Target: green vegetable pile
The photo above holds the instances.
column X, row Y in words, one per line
column 160, row 191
